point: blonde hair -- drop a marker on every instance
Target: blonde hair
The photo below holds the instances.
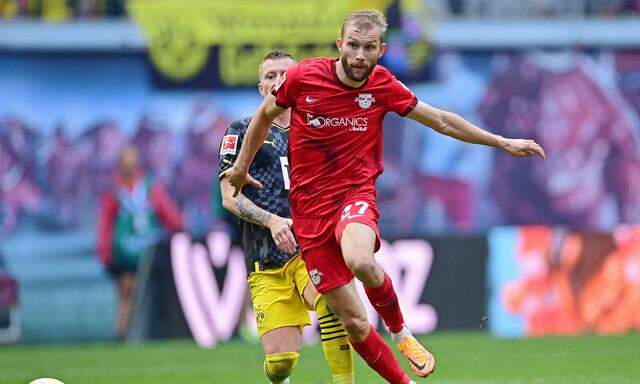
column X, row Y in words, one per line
column 276, row 54
column 366, row 19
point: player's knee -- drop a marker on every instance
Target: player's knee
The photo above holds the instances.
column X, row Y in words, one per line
column 356, row 326
column 362, row 267
column 279, row 366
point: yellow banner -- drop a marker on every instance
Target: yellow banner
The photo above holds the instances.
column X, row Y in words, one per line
column 180, row 32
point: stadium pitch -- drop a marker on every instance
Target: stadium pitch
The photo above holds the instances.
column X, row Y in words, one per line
column 463, row 357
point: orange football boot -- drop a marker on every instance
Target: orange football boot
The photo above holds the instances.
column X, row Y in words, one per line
column 421, row 361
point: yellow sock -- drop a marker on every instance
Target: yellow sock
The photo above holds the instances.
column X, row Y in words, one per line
column 335, row 344
column 279, row 366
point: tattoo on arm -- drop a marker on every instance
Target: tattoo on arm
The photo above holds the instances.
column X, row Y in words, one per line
column 251, row 212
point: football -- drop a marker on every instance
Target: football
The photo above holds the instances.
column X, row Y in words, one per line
column 46, row 380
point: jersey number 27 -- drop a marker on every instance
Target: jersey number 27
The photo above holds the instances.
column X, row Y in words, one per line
column 361, row 207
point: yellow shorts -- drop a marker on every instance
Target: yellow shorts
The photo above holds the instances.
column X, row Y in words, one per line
column 277, row 296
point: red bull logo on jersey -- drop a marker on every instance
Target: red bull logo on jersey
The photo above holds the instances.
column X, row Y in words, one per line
column 365, row 100
column 353, row 123
column 316, row 276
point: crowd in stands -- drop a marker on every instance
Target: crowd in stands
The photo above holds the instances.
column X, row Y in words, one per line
column 534, row 9
column 60, row 10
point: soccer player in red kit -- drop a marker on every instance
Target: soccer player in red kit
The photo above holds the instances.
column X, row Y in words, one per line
column 335, row 155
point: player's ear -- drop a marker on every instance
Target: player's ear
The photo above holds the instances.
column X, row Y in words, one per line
column 383, row 49
column 260, row 88
column 339, row 44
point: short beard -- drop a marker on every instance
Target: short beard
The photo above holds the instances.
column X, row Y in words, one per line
column 350, row 74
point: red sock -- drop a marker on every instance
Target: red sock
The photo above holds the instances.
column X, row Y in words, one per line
column 385, row 301
column 377, row 354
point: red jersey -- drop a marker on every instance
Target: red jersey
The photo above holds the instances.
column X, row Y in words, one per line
column 335, row 141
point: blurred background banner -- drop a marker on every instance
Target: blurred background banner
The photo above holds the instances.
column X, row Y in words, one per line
column 551, row 281
column 440, row 283
column 79, row 80
column 221, row 43
column 64, row 119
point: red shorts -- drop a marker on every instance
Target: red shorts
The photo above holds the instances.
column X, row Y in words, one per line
column 319, row 239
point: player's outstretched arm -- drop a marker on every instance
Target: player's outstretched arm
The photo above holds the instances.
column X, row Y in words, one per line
column 257, row 131
column 450, row 124
column 245, row 209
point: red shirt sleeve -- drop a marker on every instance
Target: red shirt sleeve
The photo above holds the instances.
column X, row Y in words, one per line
column 401, row 99
column 167, row 211
column 287, row 90
column 106, row 221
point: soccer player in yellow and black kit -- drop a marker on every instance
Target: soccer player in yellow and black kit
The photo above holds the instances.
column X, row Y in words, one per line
column 280, row 288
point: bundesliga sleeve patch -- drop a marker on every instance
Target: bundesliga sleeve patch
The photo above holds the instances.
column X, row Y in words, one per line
column 229, row 145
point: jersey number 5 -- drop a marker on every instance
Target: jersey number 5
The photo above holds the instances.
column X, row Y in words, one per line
column 284, row 163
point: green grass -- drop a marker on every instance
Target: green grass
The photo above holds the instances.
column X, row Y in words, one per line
column 461, row 357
